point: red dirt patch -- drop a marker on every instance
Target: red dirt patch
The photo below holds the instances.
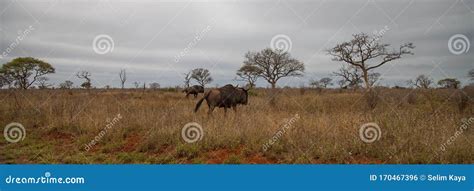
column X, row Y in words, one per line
column 219, row 156
column 131, row 142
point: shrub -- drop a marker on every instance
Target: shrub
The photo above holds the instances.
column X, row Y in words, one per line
column 411, row 98
column 371, row 98
column 233, row 159
column 188, row 151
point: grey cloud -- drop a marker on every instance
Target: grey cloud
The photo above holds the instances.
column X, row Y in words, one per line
column 149, row 34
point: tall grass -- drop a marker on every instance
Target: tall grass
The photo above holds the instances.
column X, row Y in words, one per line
column 414, row 125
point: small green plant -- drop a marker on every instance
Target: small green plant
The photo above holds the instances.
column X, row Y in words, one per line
column 188, row 151
column 233, row 159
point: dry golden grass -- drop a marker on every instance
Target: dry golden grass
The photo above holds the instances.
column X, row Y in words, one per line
column 60, row 122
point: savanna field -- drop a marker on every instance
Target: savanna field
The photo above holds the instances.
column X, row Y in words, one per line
column 319, row 127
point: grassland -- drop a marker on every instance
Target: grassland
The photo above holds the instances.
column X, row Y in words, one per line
column 414, row 125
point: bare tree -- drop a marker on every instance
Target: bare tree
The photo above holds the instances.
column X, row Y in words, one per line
column 42, row 82
column 123, row 77
column 367, row 53
column 2, row 82
column 471, row 74
column 5, row 80
column 274, row 65
column 342, row 84
column 136, row 84
column 422, row 81
column 351, row 76
column 314, row 83
column 249, row 73
column 202, row 76
column 66, row 85
column 187, row 79
column 373, row 78
column 86, row 76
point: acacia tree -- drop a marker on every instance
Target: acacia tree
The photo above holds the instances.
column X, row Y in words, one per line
column 66, row 85
column 187, row 79
column 351, row 76
column 449, row 83
column 422, row 81
column 325, row 82
column 367, row 53
column 322, row 83
column 202, row 76
column 249, row 73
column 42, row 82
column 25, row 71
column 154, row 85
column 123, row 77
column 86, row 76
column 5, row 80
column 274, row 65
column 2, row 82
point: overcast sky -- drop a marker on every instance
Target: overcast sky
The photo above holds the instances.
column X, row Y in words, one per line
column 158, row 41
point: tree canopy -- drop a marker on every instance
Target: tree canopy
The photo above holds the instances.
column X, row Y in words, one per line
column 367, row 53
column 202, row 76
column 25, row 71
column 272, row 65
